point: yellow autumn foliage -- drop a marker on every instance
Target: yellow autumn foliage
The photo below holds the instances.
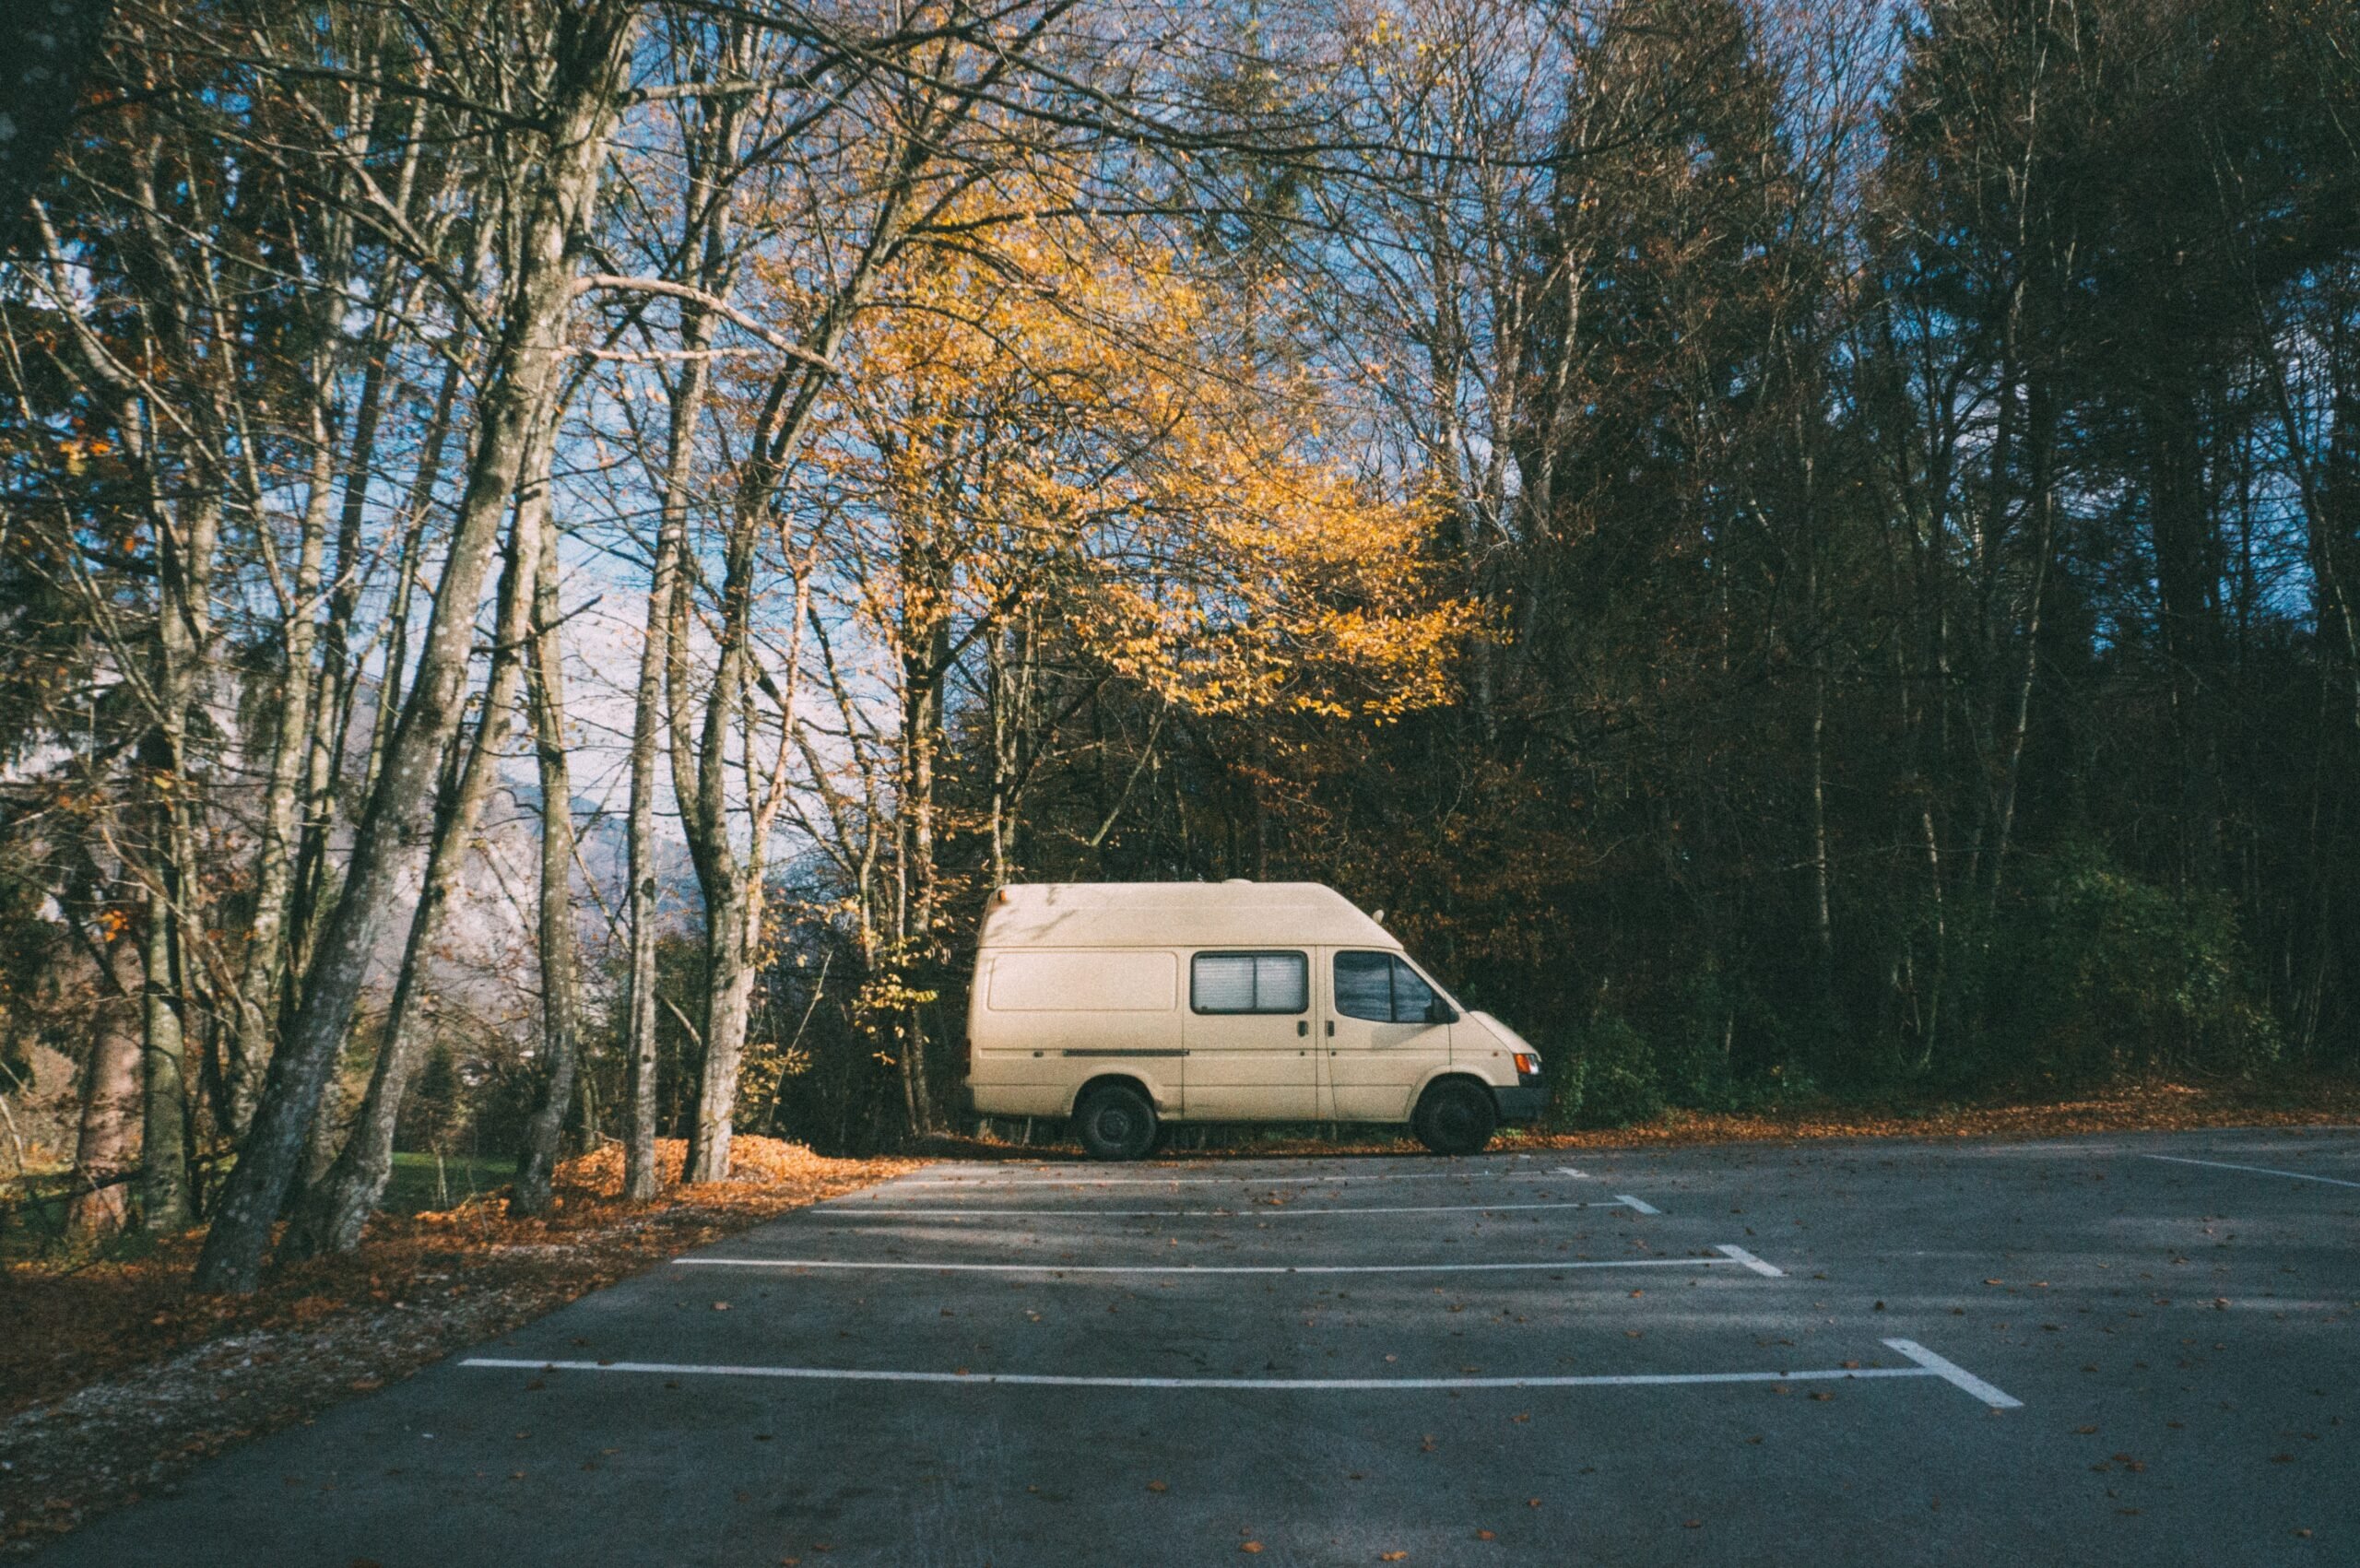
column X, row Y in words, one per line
column 1064, row 421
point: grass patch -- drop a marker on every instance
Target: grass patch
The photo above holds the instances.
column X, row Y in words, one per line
column 423, row 1183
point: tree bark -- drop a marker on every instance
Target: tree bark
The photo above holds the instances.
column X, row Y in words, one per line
column 559, row 936
column 184, row 624
column 337, row 1207
column 106, row 1144
column 588, row 62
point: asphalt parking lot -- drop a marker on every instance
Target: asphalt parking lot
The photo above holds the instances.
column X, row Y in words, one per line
column 2120, row 1349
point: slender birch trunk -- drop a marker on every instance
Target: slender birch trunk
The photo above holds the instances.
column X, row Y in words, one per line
column 265, row 956
column 560, row 938
column 338, row 1207
column 185, row 623
column 589, row 58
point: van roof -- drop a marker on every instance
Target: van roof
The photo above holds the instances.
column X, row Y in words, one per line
column 1176, row 915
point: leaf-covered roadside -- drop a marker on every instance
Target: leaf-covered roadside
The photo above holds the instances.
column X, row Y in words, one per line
column 2140, row 1107
column 116, row 1377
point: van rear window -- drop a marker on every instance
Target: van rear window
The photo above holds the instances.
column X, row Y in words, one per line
column 1249, row 982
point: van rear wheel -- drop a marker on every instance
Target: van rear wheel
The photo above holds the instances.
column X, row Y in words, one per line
column 1115, row 1122
column 1454, row 1117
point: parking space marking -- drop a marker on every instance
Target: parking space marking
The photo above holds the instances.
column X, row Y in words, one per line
column 883, row 1210
column 1956, row 1375
column 1929, row 1366
column 2256, row 1170
column 1634, row 1205
column 1731, row 1255
column 1569, row 1171
column 1739, row 1255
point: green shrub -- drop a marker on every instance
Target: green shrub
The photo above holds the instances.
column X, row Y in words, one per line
column 1613, row 1075
column 2106, row 977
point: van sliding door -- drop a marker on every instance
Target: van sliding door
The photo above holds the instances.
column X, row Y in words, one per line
column 1249, row 1037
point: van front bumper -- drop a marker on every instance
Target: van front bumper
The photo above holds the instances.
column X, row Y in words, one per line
column 1523, row 1104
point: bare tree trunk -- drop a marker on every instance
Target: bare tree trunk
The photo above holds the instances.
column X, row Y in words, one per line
column 104, row 1149
column 728, row 995
column 589, row 62
column 641, row 1177
column 560, row 937
column 282, row 806
column 732, row 885
column 265, row 956
column 338, row 1207
column 413, row 524
column 922, row 737
column 185, row 623
column 2020, row 719
column 163, row 1147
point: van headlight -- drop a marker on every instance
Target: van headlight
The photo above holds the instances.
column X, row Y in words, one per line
column 1527, row 1064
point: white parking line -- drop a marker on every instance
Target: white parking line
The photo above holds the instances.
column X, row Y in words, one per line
column 1929, row 1365
column 1634, row 1205
column 2256, row 1170
column 894, row 1212
column 1569, row 1171
column 1739, row 1255
column 1952, row 1373
column 1730, row 1255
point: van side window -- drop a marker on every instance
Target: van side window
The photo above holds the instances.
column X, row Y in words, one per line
column 1413, row 999
column 1380, row 989
column 1364, row 986
column 1249, row 982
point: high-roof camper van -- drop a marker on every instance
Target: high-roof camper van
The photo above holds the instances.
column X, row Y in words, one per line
column 1126, row 1006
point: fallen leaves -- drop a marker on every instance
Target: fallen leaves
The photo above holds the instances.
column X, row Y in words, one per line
column 2149, row 1107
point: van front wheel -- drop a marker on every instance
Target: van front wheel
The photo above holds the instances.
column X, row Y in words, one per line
column 1454, row 1117
column 1115, row 1123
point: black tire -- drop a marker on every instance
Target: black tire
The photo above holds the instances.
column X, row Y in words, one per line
column 1454, row 1117
column 1115, row 1121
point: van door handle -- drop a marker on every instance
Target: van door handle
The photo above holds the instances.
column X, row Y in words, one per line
column 1331, row 1029
column 1302, row 1027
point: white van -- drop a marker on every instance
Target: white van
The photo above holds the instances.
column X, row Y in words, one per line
column 1127, row 1005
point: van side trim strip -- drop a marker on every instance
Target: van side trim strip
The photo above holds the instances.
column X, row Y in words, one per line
column 1116, row 1053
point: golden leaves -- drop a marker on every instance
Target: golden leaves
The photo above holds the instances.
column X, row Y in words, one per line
column 1059, row 420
